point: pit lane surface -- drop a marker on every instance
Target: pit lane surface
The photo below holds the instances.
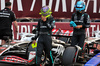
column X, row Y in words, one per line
column 2, row 64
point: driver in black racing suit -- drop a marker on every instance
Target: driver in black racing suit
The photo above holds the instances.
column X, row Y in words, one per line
column 79, row 21
column 44, row 31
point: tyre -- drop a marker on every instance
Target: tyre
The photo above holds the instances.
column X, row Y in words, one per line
column 68, row 56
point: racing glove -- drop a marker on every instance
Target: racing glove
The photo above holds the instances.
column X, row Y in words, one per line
column 72, row 24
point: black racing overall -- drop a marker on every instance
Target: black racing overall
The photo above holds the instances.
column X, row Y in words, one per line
column 79, row 34
column 44, row 39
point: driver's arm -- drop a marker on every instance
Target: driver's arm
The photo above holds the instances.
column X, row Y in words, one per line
column 51, row 24
column 86, row 23
column 37, row 31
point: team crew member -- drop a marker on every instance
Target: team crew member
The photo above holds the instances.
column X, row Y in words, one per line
column 44, row 28
column 6, row 19
column 79, row 21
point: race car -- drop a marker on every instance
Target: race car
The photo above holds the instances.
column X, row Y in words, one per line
column 17, row 52
column 24, row 51
column 90, row 52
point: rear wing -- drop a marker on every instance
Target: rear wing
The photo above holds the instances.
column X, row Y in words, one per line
column 62, row 33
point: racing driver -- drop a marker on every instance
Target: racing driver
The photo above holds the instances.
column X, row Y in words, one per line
column 44, row 30
column 79, row 21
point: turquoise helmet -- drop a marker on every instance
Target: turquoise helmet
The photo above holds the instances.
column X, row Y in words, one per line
column 80, row 6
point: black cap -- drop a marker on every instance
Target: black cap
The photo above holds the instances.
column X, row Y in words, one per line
column 8, row 4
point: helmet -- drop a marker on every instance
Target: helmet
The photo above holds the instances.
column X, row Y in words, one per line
column 45, row 11
column 80, row 6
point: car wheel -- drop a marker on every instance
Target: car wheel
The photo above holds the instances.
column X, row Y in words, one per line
column 68, row 56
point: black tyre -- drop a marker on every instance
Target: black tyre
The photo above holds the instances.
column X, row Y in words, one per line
column 68, row 56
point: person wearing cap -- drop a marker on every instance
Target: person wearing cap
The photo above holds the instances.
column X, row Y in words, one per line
column 6, row 19
column 44, row 31
column 79, row 21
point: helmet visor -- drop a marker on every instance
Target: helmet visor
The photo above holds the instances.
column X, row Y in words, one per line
column 79, row 6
